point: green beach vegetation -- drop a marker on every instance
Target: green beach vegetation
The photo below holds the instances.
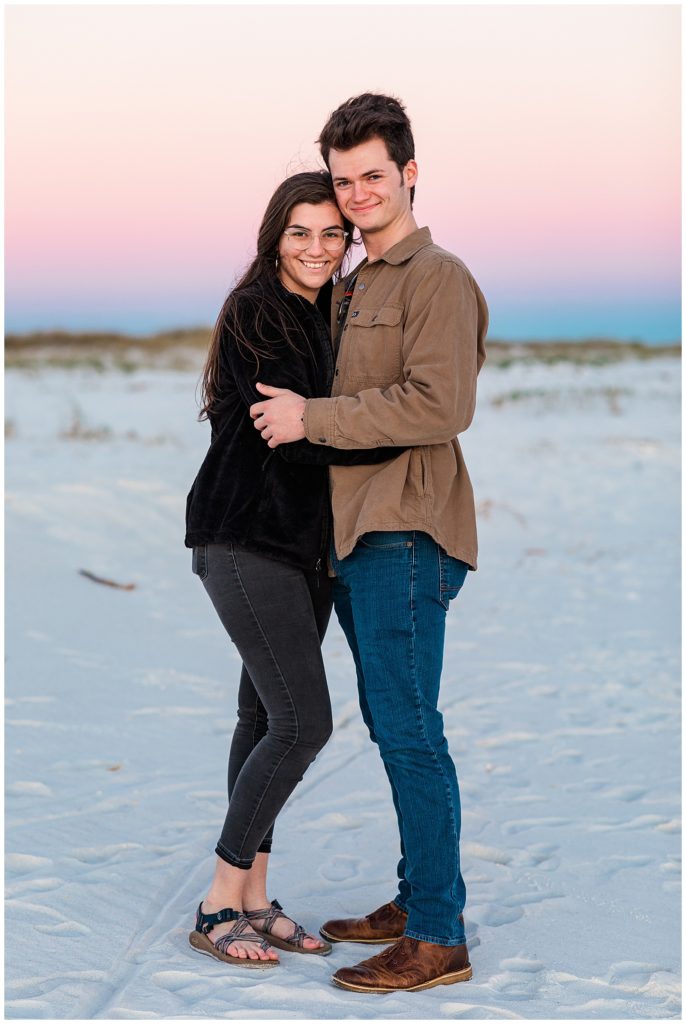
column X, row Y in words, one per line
column 185, row 348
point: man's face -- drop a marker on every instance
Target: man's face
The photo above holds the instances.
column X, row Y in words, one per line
column 370, row 189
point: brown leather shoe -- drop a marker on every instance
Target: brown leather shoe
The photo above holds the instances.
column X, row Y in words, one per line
column 387, row 924
column 407, row 966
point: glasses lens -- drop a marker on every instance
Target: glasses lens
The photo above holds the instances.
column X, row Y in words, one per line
column 333, row 240
column 298, row 238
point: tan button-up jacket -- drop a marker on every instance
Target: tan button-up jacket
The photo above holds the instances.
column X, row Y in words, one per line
column 405, row 374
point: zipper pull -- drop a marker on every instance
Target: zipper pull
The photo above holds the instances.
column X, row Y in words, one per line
column 318, row 569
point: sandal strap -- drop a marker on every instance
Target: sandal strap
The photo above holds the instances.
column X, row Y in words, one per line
column 298, row 937
column 271, row 914
column 205, row 922
column 237, row 934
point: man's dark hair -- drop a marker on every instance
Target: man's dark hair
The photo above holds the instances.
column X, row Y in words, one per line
column 371, row 115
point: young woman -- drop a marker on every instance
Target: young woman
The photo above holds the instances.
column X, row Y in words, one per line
column 258, row 522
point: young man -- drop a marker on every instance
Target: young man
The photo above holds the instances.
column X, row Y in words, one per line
column 409, row 327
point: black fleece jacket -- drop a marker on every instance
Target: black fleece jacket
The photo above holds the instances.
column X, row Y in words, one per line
column 274, row 501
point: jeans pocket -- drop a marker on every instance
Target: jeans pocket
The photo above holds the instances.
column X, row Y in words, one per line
column 452, row 574
column 199, row 561
column 386, row 540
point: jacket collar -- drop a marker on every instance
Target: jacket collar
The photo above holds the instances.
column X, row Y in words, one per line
column 403, row 250
column 407, row 247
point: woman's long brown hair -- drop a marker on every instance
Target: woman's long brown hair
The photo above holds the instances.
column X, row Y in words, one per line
column 312, row 187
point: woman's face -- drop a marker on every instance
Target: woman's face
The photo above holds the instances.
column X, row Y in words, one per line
column 305, row 270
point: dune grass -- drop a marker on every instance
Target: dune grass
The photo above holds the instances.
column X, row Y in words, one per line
column 185, row 349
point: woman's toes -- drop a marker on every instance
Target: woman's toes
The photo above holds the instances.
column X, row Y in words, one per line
column 311, row 943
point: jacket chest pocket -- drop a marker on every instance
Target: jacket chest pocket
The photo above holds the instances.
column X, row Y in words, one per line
column 374, row 337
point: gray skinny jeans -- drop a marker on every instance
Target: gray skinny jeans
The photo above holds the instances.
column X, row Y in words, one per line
column 276, row 615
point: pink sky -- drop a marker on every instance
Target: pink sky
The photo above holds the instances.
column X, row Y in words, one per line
column 143, row 142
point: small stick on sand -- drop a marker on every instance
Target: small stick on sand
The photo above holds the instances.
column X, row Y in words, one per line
column 106, row 582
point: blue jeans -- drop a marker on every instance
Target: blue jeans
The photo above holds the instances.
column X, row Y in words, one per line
column 391, row 595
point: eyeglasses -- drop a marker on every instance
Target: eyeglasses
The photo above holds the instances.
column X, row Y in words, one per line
column 333, row 239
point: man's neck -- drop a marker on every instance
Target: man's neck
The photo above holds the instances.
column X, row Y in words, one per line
column 376, row 243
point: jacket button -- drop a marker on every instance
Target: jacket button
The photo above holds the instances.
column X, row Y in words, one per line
column 322, row 440
column 362, row 287
column 336, row 372
column 355, row 313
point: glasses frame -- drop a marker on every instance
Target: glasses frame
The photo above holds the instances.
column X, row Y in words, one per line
column 315, row 234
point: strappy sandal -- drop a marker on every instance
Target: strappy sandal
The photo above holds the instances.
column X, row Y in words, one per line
column 295, row 943
column 200, row 940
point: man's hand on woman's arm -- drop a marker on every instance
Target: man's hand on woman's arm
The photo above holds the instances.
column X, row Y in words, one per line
column 280, row 419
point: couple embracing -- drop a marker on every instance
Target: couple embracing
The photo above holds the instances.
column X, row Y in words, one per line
column 334, row 479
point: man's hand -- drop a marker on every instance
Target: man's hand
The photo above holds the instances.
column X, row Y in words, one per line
column 280, row 419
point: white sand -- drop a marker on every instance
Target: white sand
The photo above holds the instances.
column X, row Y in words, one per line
column 560, row 696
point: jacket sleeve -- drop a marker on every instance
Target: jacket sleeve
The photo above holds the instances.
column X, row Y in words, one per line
column 287, row 369
column 442, row 349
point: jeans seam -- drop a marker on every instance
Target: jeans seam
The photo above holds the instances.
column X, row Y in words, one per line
column 254, row 724
column 427, row 740
column 285, row 685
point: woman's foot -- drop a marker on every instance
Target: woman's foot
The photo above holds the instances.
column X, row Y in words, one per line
column 243, row 947
column 269, row 919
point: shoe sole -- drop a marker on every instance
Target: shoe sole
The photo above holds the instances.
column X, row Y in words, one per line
column 445, row 979
column 288, row 947
column 201, row 944
column 366, row 942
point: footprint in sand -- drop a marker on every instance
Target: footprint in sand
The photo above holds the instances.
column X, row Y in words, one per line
column 64, row 929
column 174, row 981
column 631, row 972
column 634, row 824
column 29, row 885
column 23, row 863
column 49, row 921
column 195, row 987
column 543, row 856
column 104, row 854
column 496, row 916
column 26, row 788
column 488, row 853
column 521, row 978
column 626, row 793
column 520, row 963
column 341, row 868
column 609, row 866
column 516, row 984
